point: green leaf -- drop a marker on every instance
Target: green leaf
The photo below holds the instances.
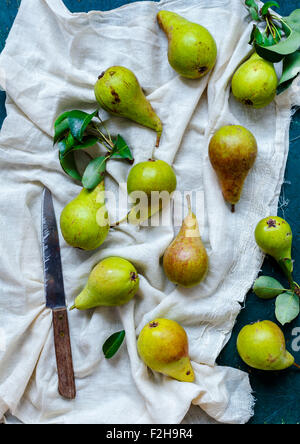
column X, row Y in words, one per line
column 112, row 344
column 78, row 122
column 61, row 126
column 293, row 20
column 253, row 9
column 265, row 53
column 86, row 142
column 66, row 144
column 121, row 149
column 68, row 164
column 291, row 67
column 287, row 307
column 62, row 117
column 256, row 36
column 292, row 42
column 267, row 5
column 94, row 173
column 266, row 287
column 284, row 86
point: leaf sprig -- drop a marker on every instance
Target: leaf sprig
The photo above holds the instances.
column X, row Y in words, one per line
column 76, row 130
column 277, row 39
column 287, row 305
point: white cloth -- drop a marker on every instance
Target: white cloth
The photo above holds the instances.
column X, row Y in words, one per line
column 50, row 63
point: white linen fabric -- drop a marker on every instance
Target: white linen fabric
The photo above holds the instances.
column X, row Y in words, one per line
column 50, row 63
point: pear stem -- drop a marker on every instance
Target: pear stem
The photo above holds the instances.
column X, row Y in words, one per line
column 233, row 208
column 188, row 198
column 120, row 221
column 296, row 365
column 72, row 308
column 158, row 140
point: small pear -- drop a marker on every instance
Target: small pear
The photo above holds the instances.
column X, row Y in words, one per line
column 232, row 153
column 274, row 236
column 255, row 82
column 192, row 50
column 163, row 346
column 262, row 346
column 84, row 221
column 119, row 92
column 114, row 281
column 185, row 261
column 146, row 178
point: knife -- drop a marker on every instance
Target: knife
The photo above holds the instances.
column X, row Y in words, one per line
column 55, row 298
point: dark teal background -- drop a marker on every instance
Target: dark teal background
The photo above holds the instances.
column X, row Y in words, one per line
column 278, row 393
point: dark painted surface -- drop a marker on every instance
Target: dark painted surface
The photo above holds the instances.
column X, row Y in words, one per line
column 277, row 394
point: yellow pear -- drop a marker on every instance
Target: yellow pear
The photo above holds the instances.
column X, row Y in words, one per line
column 262, row 346
column 163, row 346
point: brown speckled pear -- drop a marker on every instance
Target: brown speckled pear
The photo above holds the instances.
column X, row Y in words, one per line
column 119, row 92
column 163, row 346
column 232, row 153
column 185, row 261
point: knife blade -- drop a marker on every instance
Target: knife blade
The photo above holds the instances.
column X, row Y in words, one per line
column 55, row 298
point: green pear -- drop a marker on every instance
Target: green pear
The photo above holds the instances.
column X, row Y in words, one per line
column 163, row 346
column 255, row 82
column 232, row 153
column 84, row 221
column 114, row 281
column 262, row 346
column 119, row 92
column 185, row 261
column 152, row 175
column 146, row 178
column 192, row 50
column 274, row 236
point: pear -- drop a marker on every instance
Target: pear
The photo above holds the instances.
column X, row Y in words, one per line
column 152, row 175
column 84, row 221
column 255, row 82
column 185, row 261
column 192, row 50
column 119, row 92
column 114, row 281
column 146, row 178
column 232, row 153
column 274, row 236
column 262, row 346
column 163, row 346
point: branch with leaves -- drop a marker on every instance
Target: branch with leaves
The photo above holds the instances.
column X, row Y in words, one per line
column 77, row 130
column 276, row 39
column 287, row 305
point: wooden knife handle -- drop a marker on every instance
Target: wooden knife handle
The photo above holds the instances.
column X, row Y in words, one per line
column 66, row 381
